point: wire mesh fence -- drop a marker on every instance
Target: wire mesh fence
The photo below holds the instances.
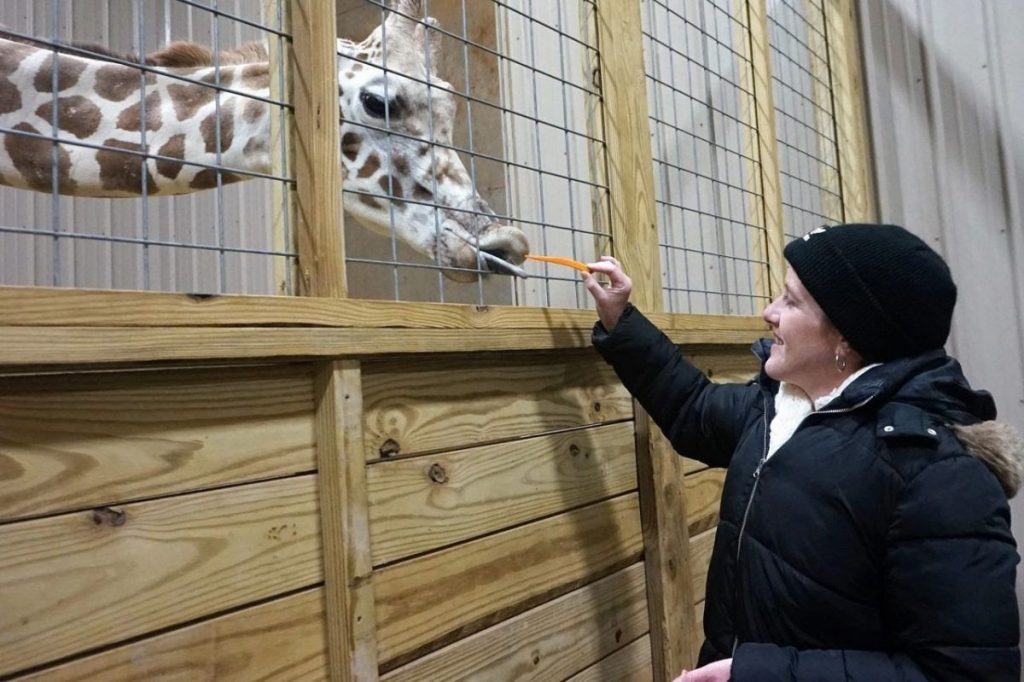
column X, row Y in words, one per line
column 120, row 171
column 804, row 116
column 472, row 132
column 516, row 149
column 704, row 145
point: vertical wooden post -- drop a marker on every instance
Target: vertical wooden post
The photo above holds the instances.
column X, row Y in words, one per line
column 319, row 226
column 627, row 137
column 634, row 232
column 824, row 112
column 855, row 169
column 351, row 628
column 768, row 152
column 281, row 208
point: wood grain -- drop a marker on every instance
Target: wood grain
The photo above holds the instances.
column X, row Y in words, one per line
column 88, row 579
column 700, row 558
column 853, row 138
column 320, row 226
column 664, row 503
column 424, row 503
column 280, row 640
column 412, row 406
column 79, row 441
column 549, row 642
column 703, row 498
column 768, row 152
column 42, row 306
column 634, row 224
column 343, row 517
column 453, row 592
column 631, row 663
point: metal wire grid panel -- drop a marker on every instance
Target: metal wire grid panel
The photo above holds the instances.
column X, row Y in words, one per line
column 804, row 116
column 704, row 146
column 526, row 136
column 233, row 238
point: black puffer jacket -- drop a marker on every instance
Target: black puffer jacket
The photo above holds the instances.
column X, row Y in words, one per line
column 872, row 546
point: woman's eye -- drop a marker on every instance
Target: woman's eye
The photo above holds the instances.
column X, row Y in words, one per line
column 374, row 104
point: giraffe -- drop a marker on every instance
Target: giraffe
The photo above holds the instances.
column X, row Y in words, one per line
column 121, row 138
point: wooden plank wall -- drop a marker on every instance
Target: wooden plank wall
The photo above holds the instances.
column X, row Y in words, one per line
column 175, row 523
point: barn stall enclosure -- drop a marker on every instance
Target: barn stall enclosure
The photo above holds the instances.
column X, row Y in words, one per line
column 242, row 436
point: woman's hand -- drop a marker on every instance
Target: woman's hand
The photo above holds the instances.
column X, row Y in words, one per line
column 719, row 671
column 610, row 300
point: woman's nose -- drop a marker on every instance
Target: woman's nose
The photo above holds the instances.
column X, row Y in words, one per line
column 768, row 314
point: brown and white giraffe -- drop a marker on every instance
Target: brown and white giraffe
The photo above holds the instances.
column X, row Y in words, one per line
column 396, row 135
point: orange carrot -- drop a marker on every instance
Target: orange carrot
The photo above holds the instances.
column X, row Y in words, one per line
column 560, row 260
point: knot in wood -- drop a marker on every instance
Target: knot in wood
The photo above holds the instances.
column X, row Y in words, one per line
column 597, row 406
column 437, row 473
column 390, row 448
column 574, row 449
column 105, row 516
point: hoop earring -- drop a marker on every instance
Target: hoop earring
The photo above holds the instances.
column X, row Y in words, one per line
column 840, row 363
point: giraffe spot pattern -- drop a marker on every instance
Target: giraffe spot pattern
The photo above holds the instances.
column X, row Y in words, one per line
column 123, row 172
column 254, row 109
column 370, row 201
column 350, row 145
column 208, row 128
column 188, row 99
column 175, row 147
column 69, row 70
column 76, row 115
column 129, row 119
column 12, row 55
column 33, row 159
column 115, row 82
column 10, row 96
column 390, row 185
column 226, row 77
column 422, row 193
column 207, row 179
column 370, row 166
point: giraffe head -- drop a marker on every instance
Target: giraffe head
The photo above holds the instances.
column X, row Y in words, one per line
column 396, row 141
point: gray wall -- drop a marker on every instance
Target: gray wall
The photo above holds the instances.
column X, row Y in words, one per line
column 945, row 83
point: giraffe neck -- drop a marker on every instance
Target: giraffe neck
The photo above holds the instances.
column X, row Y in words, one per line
column 101, row 103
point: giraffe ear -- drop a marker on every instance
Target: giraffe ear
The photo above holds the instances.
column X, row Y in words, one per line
column 427, row 38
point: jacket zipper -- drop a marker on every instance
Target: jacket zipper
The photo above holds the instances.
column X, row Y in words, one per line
column 757, row 477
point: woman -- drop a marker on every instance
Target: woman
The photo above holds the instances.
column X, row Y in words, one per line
column 864, row 530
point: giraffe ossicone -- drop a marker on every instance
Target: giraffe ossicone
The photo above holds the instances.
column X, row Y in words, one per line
column 398, row 164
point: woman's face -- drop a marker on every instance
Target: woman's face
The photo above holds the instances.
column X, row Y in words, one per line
column 804, row 352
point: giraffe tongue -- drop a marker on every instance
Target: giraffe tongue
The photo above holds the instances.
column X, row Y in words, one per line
column 500, row 266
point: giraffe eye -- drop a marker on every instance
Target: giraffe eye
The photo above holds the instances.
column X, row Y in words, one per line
column 374, row 104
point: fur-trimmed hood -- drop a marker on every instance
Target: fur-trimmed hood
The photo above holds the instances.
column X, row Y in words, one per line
column 1000, row 447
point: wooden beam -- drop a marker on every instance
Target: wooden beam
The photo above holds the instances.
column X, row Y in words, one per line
column 635, row 237
column 856, row 174
column 317, row 149
column 768, row 151
column 50, row 347
column 634, row 223
column 351, row 631
column 282, row 127
column 41, row 306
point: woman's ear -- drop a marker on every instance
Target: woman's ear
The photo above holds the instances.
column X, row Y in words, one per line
column 854, row 360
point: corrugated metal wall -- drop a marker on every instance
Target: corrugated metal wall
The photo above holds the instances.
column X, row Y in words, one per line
column 945, row 83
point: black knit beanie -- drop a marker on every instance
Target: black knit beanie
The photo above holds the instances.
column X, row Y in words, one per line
column 886, row 291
